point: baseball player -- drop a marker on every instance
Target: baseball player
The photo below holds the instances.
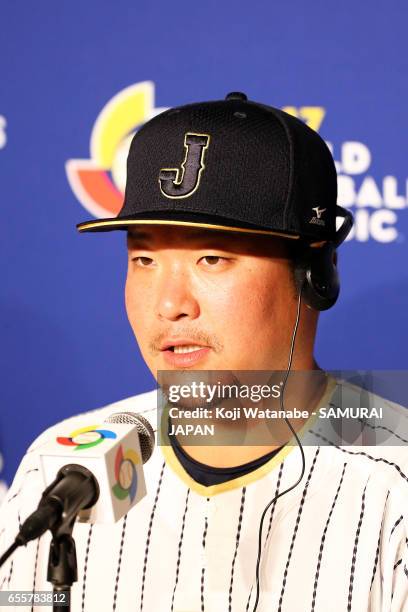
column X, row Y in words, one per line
column 230, row 212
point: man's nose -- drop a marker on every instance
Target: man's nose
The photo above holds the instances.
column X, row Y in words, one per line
column 175, row 298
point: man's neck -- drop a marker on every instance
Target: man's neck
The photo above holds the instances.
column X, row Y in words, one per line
column 304, row 391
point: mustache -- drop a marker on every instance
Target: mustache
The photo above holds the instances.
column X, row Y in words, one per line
column 195, row 336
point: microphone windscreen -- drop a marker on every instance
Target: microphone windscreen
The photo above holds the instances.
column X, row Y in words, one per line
column 144, row 429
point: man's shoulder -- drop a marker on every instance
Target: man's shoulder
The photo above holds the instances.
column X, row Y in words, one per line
column 368, row 419
column 142, row 403
column 372, row 442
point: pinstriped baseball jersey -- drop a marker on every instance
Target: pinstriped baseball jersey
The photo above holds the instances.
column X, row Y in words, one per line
column 337, row 542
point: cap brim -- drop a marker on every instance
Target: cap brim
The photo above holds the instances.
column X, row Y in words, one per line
column 180, row 219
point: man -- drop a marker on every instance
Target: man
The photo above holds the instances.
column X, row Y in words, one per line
column 230, row 209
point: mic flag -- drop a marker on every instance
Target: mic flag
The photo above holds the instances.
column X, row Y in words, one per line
column 114, row 452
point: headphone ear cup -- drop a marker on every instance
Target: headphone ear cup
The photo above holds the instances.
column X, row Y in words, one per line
column 316, row 274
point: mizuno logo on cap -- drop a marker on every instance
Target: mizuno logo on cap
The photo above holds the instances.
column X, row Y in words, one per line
column 319, row 211
column 182, row 183
column 317, row 219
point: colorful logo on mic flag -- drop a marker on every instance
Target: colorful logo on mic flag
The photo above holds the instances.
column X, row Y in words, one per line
column 86, row 437
column 99, row 181
column 125, row 474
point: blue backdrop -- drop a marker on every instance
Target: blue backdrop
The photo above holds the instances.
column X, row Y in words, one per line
column 66, row 345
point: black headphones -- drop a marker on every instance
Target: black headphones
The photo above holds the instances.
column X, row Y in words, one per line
column 316, row 270
column 318, row 287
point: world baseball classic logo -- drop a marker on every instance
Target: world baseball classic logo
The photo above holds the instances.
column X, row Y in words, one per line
column 125, row 474
column 99, row 181
column 86, row 437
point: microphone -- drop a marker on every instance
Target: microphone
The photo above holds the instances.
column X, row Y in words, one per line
column 99, row 475
column 144, row 429
column 113, row 452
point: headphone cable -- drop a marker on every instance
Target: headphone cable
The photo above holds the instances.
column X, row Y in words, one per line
column 291, row 351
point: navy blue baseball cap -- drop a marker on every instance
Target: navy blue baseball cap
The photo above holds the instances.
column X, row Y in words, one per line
column 231, row 165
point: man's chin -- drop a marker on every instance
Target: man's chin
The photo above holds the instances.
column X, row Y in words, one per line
column 198, row 385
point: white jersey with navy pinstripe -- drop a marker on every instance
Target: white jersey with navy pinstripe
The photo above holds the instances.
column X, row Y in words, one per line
column 337, row 542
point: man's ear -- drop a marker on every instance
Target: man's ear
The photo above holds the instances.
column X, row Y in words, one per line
column 316, row 273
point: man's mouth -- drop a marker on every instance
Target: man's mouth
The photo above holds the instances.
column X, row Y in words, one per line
column 182, row 353
column 185, row 349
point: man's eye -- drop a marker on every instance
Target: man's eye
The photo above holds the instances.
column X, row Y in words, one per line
column 144, row 262
column 212, row 260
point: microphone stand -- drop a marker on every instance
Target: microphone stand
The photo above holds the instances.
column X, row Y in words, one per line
column 62, row 561
column 75, row 488
column 62, row 569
